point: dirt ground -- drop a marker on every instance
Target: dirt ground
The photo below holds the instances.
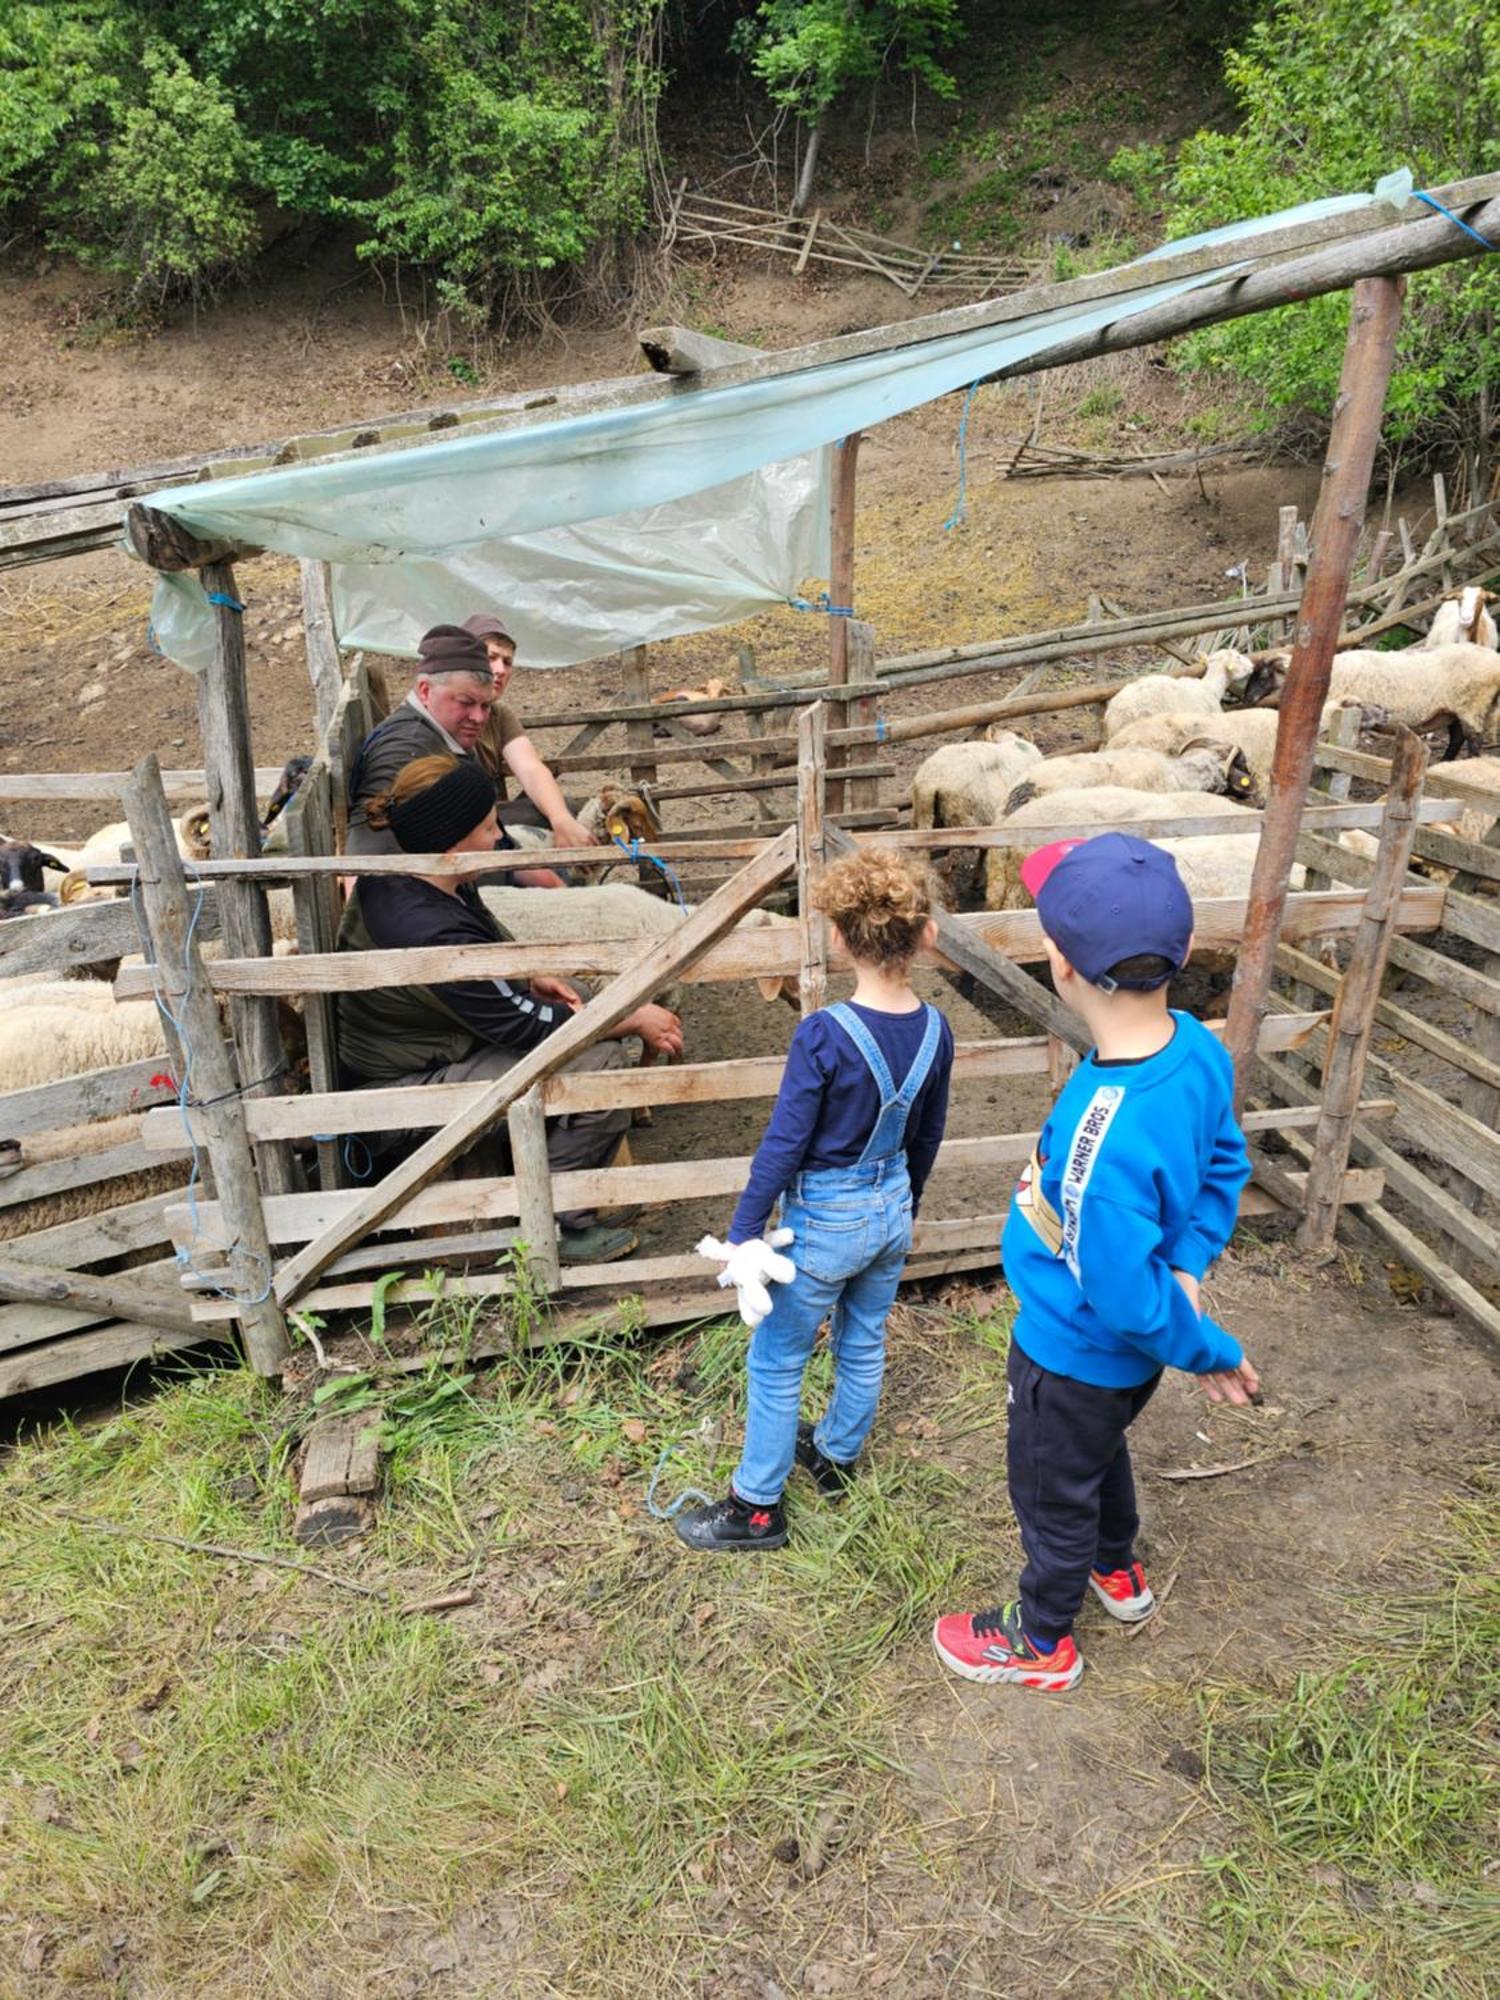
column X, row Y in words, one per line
column 1033, row 1833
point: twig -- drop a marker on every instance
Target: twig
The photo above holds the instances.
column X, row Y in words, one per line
column 219, row 1549
column 1135, row 1631
column 1218, row 1471
column 451, row 1600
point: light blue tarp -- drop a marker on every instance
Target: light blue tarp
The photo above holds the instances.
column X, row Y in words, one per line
column 461, row 523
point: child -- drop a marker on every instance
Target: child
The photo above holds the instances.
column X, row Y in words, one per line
column 1130, row 1196
column 849, row 1153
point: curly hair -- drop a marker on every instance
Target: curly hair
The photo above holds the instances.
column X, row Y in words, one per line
column 412, row 778
column 881, row 903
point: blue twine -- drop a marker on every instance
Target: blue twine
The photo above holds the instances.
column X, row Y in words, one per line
column 1457, row 220
column 658, row 1513
column 880, row 729
column 960, row 512
column 222, row 597
column 358, row 1173
column 634, row 849
column 184, row 1256
column 822, row 602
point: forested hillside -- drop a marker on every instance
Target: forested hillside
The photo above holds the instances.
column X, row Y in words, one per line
column 514, row 157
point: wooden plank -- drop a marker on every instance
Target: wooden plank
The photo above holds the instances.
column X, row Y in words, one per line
column 181, row 787
column 324, row 667
column 812, row 854
column 650, row 970
column 766, row 954
column 773, row 781
column 26, row 1325
column 120, row 1297
column 96, row 1239
column 536, row 1219
column 117, row 1345
column 1410, row 1026
column 82, row 1170
column 75, row 1100
column 60, row 942
column 315, row 901
column 1438, row 1273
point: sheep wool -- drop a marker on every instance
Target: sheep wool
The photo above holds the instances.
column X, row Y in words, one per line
column 1211, row 865
column 968, row 784
column 1205, row 768
column 1157, row 694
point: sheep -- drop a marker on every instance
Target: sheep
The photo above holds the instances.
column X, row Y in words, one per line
column 1210, row 866
column 1224, row 671
column 293, row 771
column 23, row 866
column 696, row 725
column 1252, row 731
column 1462, row 619
column 967, row 784
column 615, row 812
column 1420, row 687
column 1204, row 767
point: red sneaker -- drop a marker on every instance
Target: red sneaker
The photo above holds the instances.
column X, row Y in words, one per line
column 991, row 1646
column 1124, row 1593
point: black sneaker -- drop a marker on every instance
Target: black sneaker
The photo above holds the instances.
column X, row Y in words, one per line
column 831, row 1476
column 732, row 1523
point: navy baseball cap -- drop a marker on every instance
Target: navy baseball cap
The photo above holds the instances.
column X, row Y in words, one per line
column 1104, row 900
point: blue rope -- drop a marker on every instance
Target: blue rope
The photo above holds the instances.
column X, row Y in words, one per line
column 184, row 1256
column 634, row 849
column 822, row 602
column 222, row 597
column 659, row 1513
column 960, row 512
column 1458, row 222
column 880, row 729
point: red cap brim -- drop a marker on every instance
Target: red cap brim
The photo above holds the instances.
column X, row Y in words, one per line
column 1038, row 866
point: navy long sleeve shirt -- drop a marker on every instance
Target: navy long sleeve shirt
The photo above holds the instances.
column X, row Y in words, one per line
column 827, row 1106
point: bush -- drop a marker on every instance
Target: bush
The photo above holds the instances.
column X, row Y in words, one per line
column 1336, row 93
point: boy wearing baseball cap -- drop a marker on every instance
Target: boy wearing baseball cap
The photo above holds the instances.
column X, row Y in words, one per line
column 1131, row 1194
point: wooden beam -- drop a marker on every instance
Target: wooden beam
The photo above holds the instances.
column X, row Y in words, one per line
column 682, row 350
column 74, row 1100
column 812, row 852
column 164, row 898
column 1374, row 319
column 643, row 978
column 324, row 667
column 536, row 1218
column 123, row 1297
column 181, row 787
column 162, row 543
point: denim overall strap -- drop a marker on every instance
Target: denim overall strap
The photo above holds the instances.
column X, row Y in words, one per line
column 890, row 1127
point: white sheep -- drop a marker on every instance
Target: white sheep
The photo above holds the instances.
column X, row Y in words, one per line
column 1420, row 686
column 56, row 1028
column 967, row 784
column 1201, row 768
column 1252, row 731
column 1461, row 619
column 1211, row 866
column 1155, row 694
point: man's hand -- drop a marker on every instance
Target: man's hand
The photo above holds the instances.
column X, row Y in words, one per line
column 567, row 832
column 1190, row 1285
column 538, row 878
column 557, row 989
column 1232, row 1385
column 658, row 1027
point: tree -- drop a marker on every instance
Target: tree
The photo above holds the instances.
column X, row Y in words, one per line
column 1336, row 93
column 808, row 52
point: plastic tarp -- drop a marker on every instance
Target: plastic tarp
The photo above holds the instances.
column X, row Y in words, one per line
column 653, row 496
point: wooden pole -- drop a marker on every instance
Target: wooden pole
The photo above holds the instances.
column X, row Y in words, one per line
column 1374, row 317
column 841, row 576
column 537, row 1223
column 234, row 816
column 323, row 665
column 861, row 712
column 125, row 1297
column 210, row 1077
column 1354, row 1010
column 635, row 685
column 812, row 727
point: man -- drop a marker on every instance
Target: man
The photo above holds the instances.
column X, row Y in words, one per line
column 449, row 708
column 505, row 745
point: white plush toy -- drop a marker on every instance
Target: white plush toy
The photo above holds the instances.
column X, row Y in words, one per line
column 750, row 1268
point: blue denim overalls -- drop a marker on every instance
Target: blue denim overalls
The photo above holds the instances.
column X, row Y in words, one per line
column 851, row 1229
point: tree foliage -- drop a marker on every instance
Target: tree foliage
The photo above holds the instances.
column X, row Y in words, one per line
column 1334, row 94
column 807, row 52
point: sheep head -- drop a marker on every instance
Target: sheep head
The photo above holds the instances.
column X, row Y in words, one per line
column 1224, row 768
column 195, row 832
column 75, row 887
column 1267, row 678
column 629, row 815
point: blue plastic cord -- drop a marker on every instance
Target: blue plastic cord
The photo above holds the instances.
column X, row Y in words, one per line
column 659, row 1513
column 960, row 512
column 1419, row 194
column 222, row 597
column 821, row 602
column 184, row 1256
column 634, row 849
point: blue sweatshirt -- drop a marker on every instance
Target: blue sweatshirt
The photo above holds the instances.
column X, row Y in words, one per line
column 1144, row 1163
column 828, row 1104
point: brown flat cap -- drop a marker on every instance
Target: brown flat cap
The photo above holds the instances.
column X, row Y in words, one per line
column 485, row 625
column 449, row 649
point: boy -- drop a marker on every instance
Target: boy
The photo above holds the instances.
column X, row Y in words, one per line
column 1131, row 1195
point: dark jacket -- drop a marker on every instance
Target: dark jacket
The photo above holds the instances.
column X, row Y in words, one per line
column 405, row 734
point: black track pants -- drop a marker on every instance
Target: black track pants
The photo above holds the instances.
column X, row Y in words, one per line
column 1070, row 1484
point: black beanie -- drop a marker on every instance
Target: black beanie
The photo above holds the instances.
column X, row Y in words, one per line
column 449, row 649
column 430, row 821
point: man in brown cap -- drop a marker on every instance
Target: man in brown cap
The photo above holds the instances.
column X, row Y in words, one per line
column 451, row 707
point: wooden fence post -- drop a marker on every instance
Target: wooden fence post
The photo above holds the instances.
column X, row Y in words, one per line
column 323, row 664
column 537, row 1222
column 861, row 712
column 1374, row 317
column 210, row 1074
column 315, row 904
column 812, row 728
column 234, row 818
column 1354, row 1010
column 841, row 577
column 635, row 686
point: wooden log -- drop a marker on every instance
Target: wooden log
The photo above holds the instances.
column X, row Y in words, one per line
column 812, row 854
column 841, row 578
column 533, row 1175
column 165, row 544
column 324, row 667
column 122, row 1297
column 1374, row 317
column 635, row 684
column 1349, row 1032
column 328, row 1524
column 342, row 1456
column 647, row 974
column 164, row 897
column 224, row 725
